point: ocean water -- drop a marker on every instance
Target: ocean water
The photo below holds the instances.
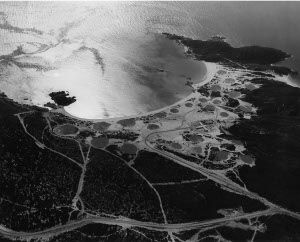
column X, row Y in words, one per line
column 110, row 55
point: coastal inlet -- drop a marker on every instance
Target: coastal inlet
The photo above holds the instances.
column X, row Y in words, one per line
column 104, row 85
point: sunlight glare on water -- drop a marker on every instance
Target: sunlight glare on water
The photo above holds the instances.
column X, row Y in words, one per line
column 108, row 54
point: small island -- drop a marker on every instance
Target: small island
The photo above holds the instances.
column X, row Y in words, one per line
column 212, row 161
column 62, row 98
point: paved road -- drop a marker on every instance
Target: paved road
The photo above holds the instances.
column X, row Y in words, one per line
column 125, row 222
column 132, row 223
column 218, row 178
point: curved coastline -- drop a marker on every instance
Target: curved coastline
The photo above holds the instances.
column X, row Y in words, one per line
column 211, row 69
column 293, row 81
column 190, row 46
column 252, row 101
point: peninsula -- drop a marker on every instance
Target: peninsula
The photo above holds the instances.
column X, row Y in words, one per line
column 221, row 164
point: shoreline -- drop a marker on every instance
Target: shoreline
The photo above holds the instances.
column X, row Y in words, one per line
column 211, row 69
column 295, row 82
column 287, row 80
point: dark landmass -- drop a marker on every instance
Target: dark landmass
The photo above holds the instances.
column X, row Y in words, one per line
column 273, row 228
column 65, row 146
column 158, row 169
column 273, row 138
column 280, row 70
column 114, row 149
column 36, row 125
column 62, row 98
column 254, row 57
column 51, row 105
column 40, row 170
column 218, row 51
column 110, row 179
column 233, row 177
column 201, row 201
column 235, row 234
column 212, row 235
column 35, row 191
column 280, row 228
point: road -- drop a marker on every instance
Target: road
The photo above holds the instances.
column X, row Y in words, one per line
column 216, row 177
column 132, row 223
column 127, row 223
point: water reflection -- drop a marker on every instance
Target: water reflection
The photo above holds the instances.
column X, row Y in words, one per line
column 110, row 56
column 106, row 85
